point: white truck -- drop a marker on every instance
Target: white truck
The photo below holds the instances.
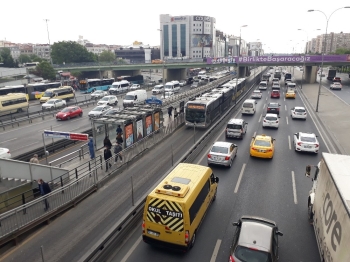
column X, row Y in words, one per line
column 329, row 206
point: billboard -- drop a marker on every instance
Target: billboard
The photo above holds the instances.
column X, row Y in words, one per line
column 129, row 135
column 148, row 125
column 178, row 18
column 156, row 121
column 202, row 41
column 139, row 129
column 278, row 59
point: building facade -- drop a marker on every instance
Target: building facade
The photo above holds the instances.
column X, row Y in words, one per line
column 42, row 51
column 187, row 36
column 333, row 42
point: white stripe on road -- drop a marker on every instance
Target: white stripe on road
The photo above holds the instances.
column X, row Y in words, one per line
column 266, row 99
column 131, row 250
column 294, row 189
column 254, row 133
column 264, row 106
column 289, row 143
column 260, row 118
column 240, row 178
column 8, row 140
column 285, row 107
column 216, row 251
column 287, row 119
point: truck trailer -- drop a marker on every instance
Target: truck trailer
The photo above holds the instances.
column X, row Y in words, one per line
column 329, row 206
column 331, row 74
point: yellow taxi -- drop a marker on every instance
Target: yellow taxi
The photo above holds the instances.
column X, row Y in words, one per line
column 262, row 146
column 290, row 94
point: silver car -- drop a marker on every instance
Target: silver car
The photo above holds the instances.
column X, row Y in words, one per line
column 222, row 153
column 255, row 239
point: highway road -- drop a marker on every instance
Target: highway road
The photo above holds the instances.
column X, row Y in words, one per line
column 276, row 189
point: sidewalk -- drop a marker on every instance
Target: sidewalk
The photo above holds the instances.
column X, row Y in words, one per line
column 332, row 112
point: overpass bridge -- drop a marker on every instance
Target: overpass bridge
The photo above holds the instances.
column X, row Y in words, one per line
column 177, row 69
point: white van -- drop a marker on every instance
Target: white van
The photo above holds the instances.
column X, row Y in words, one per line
column 173, row 86
column 118, row 87
column 136, row 97
column 292, row 86
column 249, row 107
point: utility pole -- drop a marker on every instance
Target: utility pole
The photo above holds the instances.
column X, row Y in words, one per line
column 48, row 36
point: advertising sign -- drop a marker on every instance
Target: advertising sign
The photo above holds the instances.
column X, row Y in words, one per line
column 201, row 18
column 66, row 135
column 139, row 129
column 156, row 121
column 278, row 59
column 79, row 137
column 148, row 125
column 129, row 135
column 202, row 41
column 178, row 18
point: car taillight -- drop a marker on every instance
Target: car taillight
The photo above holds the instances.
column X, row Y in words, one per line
column 187, row 236
column 231, row 259
column 209, row 155
column 143, row 226
column 269, row 150
column 299, row 143
column 316, row 145
column 253, row 148
column 227, row 158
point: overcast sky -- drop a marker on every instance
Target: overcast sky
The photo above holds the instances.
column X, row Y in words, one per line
column 274, row 22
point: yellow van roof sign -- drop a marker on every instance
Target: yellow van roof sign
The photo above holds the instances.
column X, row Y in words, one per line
column 172, row 189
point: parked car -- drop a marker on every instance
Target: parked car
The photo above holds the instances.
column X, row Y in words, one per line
column 135, row 87
column 69, row 112
column 222, row 153
column 5, row 153
column 99, row 111
column 108, row 100
column 99, row 94
column 53, row 103
column 255, row 239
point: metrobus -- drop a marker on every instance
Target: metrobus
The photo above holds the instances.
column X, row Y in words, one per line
column 31, row 64
column 138, row 79
column 91, row 85
column 19, row 89
column 36, row 90
column 12, row 103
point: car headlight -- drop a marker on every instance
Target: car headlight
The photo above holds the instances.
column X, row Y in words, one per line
column 64, row 115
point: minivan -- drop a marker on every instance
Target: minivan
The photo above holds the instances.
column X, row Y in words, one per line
column 118, row 87
column 249, row 107
column 291, row 86
column 173, row 86
column 236, row 128
column 136, row 97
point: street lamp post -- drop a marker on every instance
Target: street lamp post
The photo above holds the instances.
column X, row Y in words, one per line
column 48, row 36
column 324, row 48
column 163, row 60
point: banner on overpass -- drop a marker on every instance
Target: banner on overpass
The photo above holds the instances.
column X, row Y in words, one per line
column 278, row 59
column 66, row 135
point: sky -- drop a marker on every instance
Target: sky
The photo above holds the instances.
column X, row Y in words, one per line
column 273, row 22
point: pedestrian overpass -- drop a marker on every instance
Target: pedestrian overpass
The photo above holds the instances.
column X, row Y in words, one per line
column 177, row 70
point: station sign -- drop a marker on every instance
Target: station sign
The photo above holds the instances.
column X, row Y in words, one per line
column 66, row 135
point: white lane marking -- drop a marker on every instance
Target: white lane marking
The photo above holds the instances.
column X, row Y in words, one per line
column 8, row 140
column 131, row 250
column 264, row 106
column 260, row 118
column 254, row 133
column 216, row 250
column 285, row 107
column 294, row 189
column 284, row 99
column 266, row 99
column 240, row 178
column 287, row 119
column 289, row 143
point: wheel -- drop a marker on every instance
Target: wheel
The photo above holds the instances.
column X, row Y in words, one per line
column 193, row 240
column 230, row 165
column 81, row 114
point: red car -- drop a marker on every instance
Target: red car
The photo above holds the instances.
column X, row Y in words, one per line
column 275, row 94
column 69, row 112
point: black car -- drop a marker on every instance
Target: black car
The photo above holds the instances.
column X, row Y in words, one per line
column 255, row 239
column 273, row 108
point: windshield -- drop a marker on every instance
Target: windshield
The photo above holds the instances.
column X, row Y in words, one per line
column 219, row 149
column 233, row 126
column 300, row 110
column 262, row 84
column 129, row 97
column 65, row 110
column 157, row 87
column 308, row 139
column 271, row 118
column 193, row 115
column 262, row 143
column 48, row 94
column 97, row 108
column 257, row 92
column 50, row 102
column 105, row 98
column 169, row 86
column 246, row 254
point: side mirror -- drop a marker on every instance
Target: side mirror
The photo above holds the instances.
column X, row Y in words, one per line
column 308, row 171
column 236, row 224
column 279, row 233
column 235, row 145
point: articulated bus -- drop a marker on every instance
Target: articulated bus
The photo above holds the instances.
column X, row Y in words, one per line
column 12, row 103
column 19, row 89
column 138, row 79
column 87, row 86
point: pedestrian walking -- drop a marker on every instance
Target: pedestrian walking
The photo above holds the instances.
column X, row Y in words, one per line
column 107, row 154
column 175, row 113
column 34, row 159
column 117, row 151
column 91, row 148
column 119, row 130
column 44, row 189
column 107, row 142
column 170, row 110
column 119, row 138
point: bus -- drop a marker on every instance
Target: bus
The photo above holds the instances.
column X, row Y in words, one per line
column 88, row 86
column 36, row 90
column 12, row 103
column 138, row 79
column 63, row 92
column 14, row 90
column 176, row 207
column 31, row 64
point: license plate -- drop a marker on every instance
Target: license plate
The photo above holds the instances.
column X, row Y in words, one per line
column 150, row 232
column 307, row 146
column 262, row 151
column 246, row 110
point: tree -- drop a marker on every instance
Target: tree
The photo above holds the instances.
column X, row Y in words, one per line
column 35, row 58
column 70, row 52
column 23, row 58
column 107, row 56
column 342, row 51
column 6, row 58
column 45, row 70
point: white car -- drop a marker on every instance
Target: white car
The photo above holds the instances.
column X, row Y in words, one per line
column 99, row 111
column 5, row 153
column 182, row 83
column 222, row 153
column 53, row 103
column 168, row 94
column 336, row 85
column 99, row 94
column 158, row 89
column 298, row 112
column 135, row 87
column 276, row 85
column 263, row 85
column 275, row 80
column 108, row 100
column 271, row 120
column 306, row 142
column 256, row 94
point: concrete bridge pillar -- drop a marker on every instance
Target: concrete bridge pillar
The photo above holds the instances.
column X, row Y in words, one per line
column 310, row 74
column 241, row 72
column 175, row 74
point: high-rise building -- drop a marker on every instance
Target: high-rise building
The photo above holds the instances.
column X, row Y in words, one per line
column 333, row 42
